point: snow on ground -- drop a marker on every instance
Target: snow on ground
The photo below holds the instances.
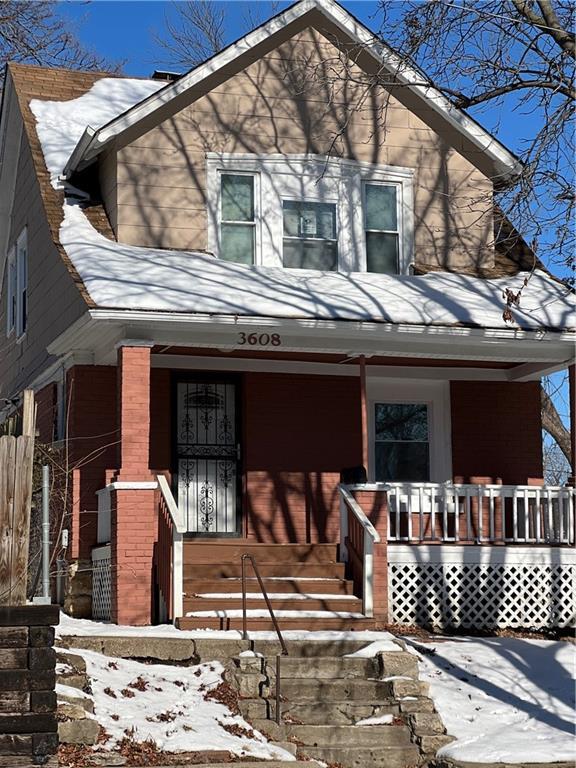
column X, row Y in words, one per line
column 132, row 277
column 504, row 699
column 167, row 704
column 69, row 627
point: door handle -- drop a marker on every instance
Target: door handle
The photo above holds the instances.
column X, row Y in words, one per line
column 238, row 451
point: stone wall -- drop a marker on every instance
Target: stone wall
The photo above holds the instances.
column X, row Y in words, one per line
column 28, row 727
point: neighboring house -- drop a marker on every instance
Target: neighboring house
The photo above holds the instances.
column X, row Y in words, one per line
column 228, row 289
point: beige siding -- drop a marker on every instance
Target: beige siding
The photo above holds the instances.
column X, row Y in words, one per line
column 54, row 302
column 109, row 187
column 289, row 102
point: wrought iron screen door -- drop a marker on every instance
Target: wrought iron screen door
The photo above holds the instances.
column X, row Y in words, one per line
column 208, row 457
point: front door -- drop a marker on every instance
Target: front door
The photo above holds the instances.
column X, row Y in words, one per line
column 208, row 456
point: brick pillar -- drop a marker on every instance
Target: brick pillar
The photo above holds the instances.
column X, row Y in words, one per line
column 133, row 501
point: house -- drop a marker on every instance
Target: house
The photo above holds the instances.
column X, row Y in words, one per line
column 278, row 271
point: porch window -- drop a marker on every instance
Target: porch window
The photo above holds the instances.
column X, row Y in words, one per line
column 237, row 228
column 310, row 235
column 402, row 448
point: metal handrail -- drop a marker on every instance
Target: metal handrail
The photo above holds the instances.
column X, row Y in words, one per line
column 243, row 559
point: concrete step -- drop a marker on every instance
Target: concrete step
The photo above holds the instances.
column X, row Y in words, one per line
column 315, row 623
column 365, row 757
column 217, row 570
column 352, row 689
column 272, row 584
column 350, row 735
column 231, row 550
column 325, row 668
column 213, row 601
column 259, row 711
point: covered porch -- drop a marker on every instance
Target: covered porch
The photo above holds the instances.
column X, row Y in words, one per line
column 467, row 426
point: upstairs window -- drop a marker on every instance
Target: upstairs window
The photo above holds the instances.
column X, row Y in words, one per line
column 17, row 303
column 237, row 218
column 310, row 235
column 382, row 227
column 310, row 212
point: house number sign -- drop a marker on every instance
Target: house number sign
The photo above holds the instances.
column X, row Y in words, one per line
column 259, row 339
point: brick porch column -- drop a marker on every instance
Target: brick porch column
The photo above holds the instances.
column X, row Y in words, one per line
column 133, row 497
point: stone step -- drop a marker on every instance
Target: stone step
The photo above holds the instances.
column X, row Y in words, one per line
column 406, row 756
column 352, row 689
column 213, row 601
column 261, row 711
column 333, row 647
column 387, row 664
column 332, row 623
column 272, row 584
column 350, row 735
column 217, row 570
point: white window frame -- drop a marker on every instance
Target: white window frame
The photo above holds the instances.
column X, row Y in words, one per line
column 436, row 396
column 11, row 293
column 312, row 178
column 17, row 278
column 257, row 207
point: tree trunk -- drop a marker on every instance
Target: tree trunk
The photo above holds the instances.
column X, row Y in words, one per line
column 553, row 424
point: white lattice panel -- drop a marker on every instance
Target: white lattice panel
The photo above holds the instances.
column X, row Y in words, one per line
column 482, row 596
column 101, row 584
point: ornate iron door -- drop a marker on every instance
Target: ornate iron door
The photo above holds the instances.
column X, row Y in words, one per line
column 208, row 457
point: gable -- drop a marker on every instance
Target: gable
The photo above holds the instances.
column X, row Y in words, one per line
column 305, row 97
column 335, row 23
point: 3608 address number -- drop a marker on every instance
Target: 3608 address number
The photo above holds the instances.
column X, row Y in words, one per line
column 259, row 339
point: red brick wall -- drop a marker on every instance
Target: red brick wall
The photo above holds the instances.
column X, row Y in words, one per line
column 496, row 430
column 299, row 432
column 91, row 391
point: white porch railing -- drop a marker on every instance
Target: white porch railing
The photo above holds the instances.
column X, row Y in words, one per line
column 170, row 563
column 509, row 514
column 357, row 539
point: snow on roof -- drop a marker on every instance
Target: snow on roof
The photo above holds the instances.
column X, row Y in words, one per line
column 131, row 277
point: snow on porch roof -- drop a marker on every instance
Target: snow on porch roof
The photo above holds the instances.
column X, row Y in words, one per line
column 132, row 277
column 505, row 165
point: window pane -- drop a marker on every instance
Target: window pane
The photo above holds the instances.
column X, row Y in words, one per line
column 237, row 243
column 381, row 211
column 310, row 220
column 237, row 197
column 401, row 421
column 382, row 253
column 310, row 254
column 402, row 462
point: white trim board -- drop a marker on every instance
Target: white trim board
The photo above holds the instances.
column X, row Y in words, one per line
column 93, row 142
column 423, row 554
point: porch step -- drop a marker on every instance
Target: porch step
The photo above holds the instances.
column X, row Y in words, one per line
column 217, row 570
column 330, row 621
column 285, row 584
column 231, row 551
column 280, row 602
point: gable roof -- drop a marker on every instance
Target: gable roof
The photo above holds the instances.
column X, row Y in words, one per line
column 329, row 18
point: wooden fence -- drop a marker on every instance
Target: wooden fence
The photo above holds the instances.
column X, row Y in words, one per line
column 16, row 462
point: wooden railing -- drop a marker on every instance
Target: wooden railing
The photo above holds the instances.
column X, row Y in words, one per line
column 357, row 539
column 472, row 514
column 170, row 551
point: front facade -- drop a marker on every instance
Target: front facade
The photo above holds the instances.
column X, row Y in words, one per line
column 262, row 307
